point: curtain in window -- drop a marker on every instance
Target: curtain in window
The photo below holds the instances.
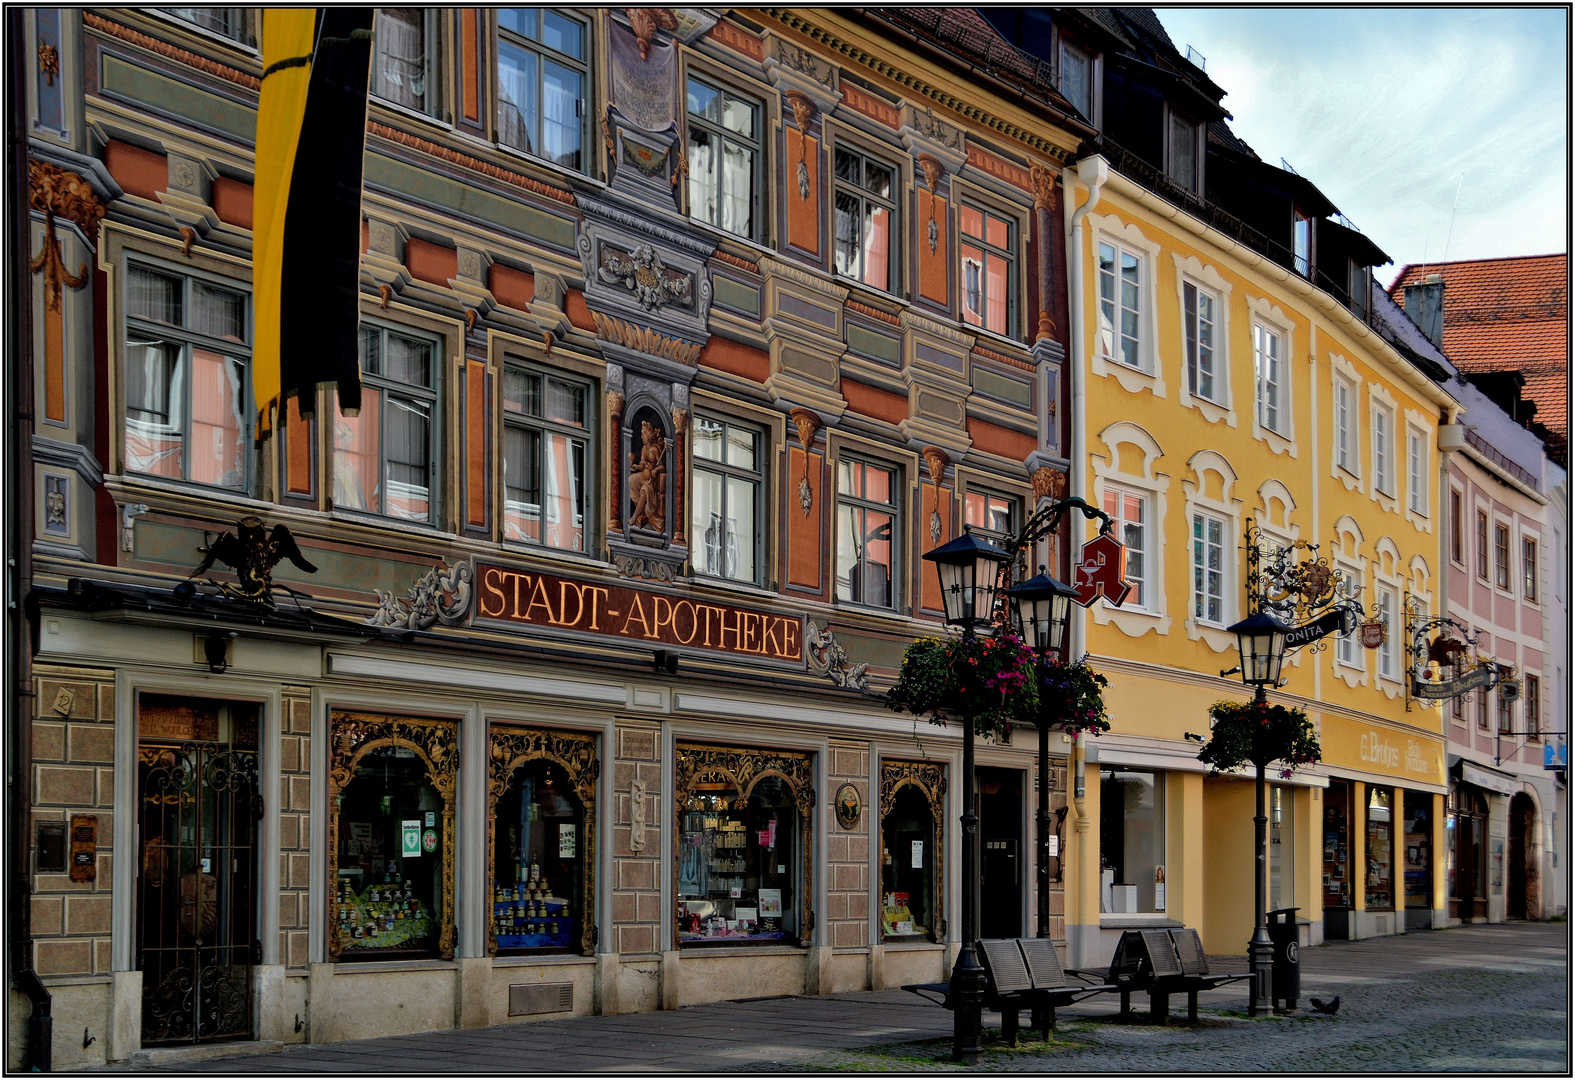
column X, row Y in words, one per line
column 522, row 484
column 401, row 60
column 408, row 360
column 155, row 418
column 738, row 174
column 847, row 233
column 217, row 312
column 560, row 115
column 356, row 470
column 406, row 450
column 877, row 246
column 703, row 183
column 516, row 96
column 155, row 296
column 218, row 403
column 563, row 476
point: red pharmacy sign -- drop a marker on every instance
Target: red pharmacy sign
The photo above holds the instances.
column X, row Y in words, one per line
column 1101, row 570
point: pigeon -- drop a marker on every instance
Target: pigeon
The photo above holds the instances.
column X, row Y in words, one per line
column 1329, row 1008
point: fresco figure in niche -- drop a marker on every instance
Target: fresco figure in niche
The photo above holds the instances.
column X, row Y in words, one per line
column 648, row 479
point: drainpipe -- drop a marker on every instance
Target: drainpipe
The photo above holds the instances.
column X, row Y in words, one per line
column 18, row 702
column 1092, row 172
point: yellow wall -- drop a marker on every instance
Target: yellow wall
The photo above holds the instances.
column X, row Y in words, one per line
column 1228, row 807
column 1184, row 844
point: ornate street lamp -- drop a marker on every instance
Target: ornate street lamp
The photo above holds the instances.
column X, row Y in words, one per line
column 969, row 570
column 1261, row 640
column 1043, row 608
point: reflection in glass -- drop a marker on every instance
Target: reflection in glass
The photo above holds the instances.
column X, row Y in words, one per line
column 538, row 879
column 907, row 876
column 739, row 867
column 1131, row 840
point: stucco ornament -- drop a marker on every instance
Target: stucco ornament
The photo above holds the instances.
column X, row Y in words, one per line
column 828, row 658
column 441, row 595
column 644, row 275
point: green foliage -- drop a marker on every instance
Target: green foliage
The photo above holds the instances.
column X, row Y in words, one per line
column 990, row 679
column 1071, row 697
column 1257, row 733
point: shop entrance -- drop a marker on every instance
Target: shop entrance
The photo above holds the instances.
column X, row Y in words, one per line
column 1000, row 852
column 1520, row 902
column 198, row 807
column 1467, row 827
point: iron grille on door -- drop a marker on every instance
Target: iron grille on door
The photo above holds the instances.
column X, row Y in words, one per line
column 198, row 810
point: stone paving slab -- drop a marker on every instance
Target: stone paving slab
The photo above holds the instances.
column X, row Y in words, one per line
column 1471, row 999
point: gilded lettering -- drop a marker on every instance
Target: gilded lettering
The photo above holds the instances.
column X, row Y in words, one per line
column 598, row 595
column 538, row 599
column 791, row 649
column 564, row 588
column 637, row 609
column 769, row 644
column 489, row 579
column 661, row 615
column 679, row 609
column 748, row 627
column 738, row 617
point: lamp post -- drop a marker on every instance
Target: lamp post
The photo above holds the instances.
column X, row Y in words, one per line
column 1261, row 640
column 1043, row 604
column 969, row 569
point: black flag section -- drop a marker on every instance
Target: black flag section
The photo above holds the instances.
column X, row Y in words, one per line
column 320, row 277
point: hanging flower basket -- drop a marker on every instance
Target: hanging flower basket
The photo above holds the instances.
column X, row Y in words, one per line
column 1071, row 697
column 1254, row 733
column 990, row 679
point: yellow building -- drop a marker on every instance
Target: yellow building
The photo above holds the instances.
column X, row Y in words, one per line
column 1219, row 385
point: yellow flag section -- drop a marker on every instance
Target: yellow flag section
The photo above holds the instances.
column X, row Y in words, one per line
column 288, row 35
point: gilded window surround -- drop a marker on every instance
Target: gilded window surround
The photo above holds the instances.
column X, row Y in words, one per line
column 352, row 735
column 509, row 748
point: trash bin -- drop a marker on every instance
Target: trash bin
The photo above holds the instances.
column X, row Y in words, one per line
column 1287, row 971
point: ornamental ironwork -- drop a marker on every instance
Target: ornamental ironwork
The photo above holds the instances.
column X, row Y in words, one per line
column 1293, row 582
column 1442, row 658
column 573, row 752
column 252, row 554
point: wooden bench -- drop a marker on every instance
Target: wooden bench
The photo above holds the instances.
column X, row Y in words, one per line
column 1160, row 963
column 1020, row 973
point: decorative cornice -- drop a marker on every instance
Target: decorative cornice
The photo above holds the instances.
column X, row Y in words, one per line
column 737, row 261
column 997, row 166
column 454, row 157
column 778, row 268
column 47, row 451
column 1002, row 358
column 618, row 215
column 63, row 193
column 873, row 312
column 735, row 38
column 794, row 20
column 869, row 105
column 94, row 21
column 644, row 339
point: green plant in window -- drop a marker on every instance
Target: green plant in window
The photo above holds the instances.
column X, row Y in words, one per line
column 1257, row 733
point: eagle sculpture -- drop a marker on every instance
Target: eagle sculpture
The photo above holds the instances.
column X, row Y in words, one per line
column 252, row 554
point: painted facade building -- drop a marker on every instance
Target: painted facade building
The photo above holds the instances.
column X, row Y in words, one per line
column 683, row 335
column 1229, row 370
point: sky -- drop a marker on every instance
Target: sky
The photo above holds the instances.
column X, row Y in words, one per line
column 1442, row 133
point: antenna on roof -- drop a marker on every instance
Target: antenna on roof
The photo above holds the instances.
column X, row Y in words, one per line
column 1452, row 210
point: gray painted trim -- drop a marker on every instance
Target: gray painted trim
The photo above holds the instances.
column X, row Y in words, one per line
column 91, row 168
column 66, row 455
column 60, row 551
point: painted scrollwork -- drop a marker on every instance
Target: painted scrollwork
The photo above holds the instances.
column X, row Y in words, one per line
column 441, row 595
column 828, row 658
column 744, row 769
column 57, row 192
column 512, row 747
column 436, row 743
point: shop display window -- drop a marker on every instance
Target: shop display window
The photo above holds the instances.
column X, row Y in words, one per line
column 1337, row 845
column 1131, row 840
column 743, row 851
column 539, row 862
column 1380, row 851
column 391, row 826
column 912, row 799
column 1418, row 849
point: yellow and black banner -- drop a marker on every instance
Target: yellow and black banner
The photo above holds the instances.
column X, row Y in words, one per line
column 311, row 139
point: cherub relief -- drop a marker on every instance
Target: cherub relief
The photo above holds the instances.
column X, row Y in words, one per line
column 648, row 480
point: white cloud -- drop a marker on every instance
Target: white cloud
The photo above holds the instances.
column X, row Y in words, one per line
column 1391, row 112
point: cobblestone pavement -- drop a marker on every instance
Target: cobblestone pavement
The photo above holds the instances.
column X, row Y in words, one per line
column 1473, row 999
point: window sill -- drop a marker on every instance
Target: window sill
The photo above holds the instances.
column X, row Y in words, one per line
column 375, row 521
column 1133, row 622
column 374, row 967
column 855, row 286
column 1134, row 380
column 1213, row 412
column 568, row 555
column 729, row 586
column 190, row 490
column 516, row 960
column 903, row 944
column 411, row 114
column 250, row 51
column 990, row 337
column 1277, row 443
column 1214, row 636
column 689, row 948
column 855, row 608
column 562, row 171
column 1141, row 920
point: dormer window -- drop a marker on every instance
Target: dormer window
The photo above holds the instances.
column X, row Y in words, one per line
column 1301, row 238
column 1077, row 78
column 1361, row 289
column 1182, row 156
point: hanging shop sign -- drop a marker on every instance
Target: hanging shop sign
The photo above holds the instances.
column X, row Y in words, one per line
column 1484, row 675
column 1554, row 757
column 560, row 603
column 1332, row 622
column 1101, row 570
column 1373, row 633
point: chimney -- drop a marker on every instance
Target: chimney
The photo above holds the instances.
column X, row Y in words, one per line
column 1424, row 303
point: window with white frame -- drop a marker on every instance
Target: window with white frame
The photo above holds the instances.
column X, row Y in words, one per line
column 725, row 156
column 1383, row 449
column 1501, row 556
column 1345, row 649
column 1533, row 707
column 1345, row 425
column 1506, row 714
column 1528, row 568
column 403, row 60
column 866, row 219
column 546, row 449
column 1077, row 82
column 1208, row 569
column 1269, row 366
column 187, row 347
column 1388, row 655
column 1129, row 521
column 1456, row 527
column 1199, row 309
column 726, row 529
column 543, row 83
column 987, row 249
column 1120, row 303
column 1416, row 470
column 867, row 532
column 1482, row 545
column 385, row 457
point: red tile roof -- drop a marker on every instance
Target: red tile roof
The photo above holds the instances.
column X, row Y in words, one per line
column 1508, row 314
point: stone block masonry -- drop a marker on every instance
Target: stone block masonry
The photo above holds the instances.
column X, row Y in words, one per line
column 637, row 841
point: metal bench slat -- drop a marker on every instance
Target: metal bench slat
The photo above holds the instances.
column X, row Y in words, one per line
column 1161, row 953
column 1004, row 963
column 1044, row 965
column 1190, row 949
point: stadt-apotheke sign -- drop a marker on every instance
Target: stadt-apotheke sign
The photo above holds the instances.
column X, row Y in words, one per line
column 642, row 615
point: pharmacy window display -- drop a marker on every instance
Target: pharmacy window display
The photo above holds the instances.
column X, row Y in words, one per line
column 543, row 797
column 391, row 824
column 743, row 853
column 912, row 805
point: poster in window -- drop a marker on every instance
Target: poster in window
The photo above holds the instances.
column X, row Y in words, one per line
column 566, row 841
column 770, row 903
